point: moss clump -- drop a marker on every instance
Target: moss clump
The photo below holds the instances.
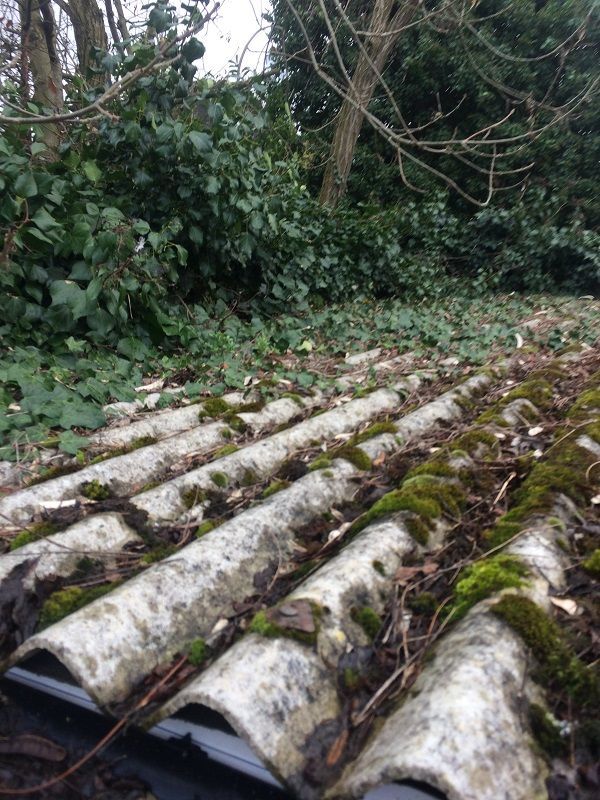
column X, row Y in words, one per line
column 355, row 456
column 66, row 601
column 557, row 664
column 264, row 627
column 423, row 603
column 274, row 487
column 538, row 391
column 226, row 450
column 192, row 497
column 214, row 407
column 379, row 567
column 376, row 429
column 551, row 373
column 94, row 490
column 587, row 404
column 54, row 472
column 592, row 564
column 320, row 462
column 197, row 652
column 425, row 496
column 206, row 527
column 546, row 732
column 295, row 397
column 438, row 467
column 368, row 619
column 150, row 485
column 564, row 473
column 136, row 444
column 249, row 478
column 418, row 529
column 303, row 569
column 159, row 552
column 351, row 679
column 484, row 579
column 235, row 422
column 227, row 433
column 472, row 441
column 248, row 408
column 219, row 479
column 38, row 530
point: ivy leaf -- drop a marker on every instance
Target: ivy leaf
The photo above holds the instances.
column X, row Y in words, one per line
column 193, row 49
column 201, row 141
column 25, row 185
column 92, row 171
column 45, row 221
column 70, row 442
column 71, row 295
column 77, row 415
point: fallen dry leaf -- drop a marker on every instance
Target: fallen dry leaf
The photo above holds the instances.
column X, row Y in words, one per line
column 28, row 744
column 337, row 748
column 296, row 616
column 566, row 604
column 405, row 574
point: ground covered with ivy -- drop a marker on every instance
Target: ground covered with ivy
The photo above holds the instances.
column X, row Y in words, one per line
column 54, row 396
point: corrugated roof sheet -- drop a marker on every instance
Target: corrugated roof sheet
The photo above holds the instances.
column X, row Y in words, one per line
column 315, row 558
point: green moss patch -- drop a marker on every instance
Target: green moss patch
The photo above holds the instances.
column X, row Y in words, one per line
column 368, row 619
column 274, row 487
column 538, row 391
column 158, row 552
column 206, row 527
column 376, row 429
column 423, row 603
column 438, row 467
column 94, row 490
column 295, row 397
column 38, row 530
column 320, row 462
column 235, row 422
column 192, row 497
column 66, row 601
column 197, row 652
column 484, row 579
column 425, row 496
column 136, row 444
column 546, row 732
column 214, row 407
column 565, row 472
column 219, row 479
column 357, row 457
column 557, row 665
column 226, row 450
column 592, row 564
column 249, row 408
column 54, row 472
column 587, row 403
column 472, row 441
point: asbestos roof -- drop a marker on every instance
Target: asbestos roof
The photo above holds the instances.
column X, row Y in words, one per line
column 273, row 563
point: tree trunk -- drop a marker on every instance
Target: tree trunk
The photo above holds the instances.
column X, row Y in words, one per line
column 364, row 80
column 110, row 18
column 122, row 23
column 38, row 37
column 88, row 26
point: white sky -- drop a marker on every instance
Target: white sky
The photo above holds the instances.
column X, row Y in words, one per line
column 226, row 39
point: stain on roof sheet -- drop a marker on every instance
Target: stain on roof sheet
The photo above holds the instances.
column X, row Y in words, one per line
column 365, row 590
